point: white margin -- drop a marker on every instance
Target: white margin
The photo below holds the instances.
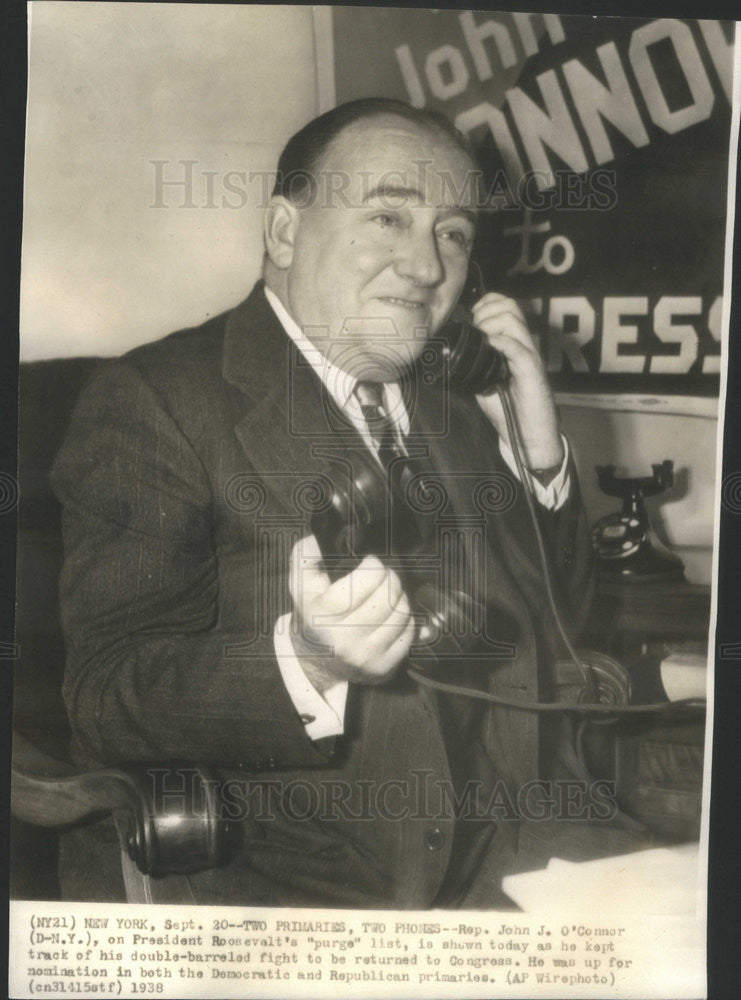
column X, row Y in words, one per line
column 725, row 336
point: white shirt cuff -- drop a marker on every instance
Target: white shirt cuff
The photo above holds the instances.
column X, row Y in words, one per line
column 556, row 493
column 322, row 714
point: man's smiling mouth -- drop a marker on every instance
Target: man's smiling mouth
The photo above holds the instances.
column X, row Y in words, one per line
column 404, row 303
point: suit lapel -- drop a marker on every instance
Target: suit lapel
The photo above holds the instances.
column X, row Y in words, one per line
column 288, row 422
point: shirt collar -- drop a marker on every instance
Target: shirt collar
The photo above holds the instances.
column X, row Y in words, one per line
column 338, row 383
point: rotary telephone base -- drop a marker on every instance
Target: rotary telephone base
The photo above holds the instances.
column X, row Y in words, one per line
column 626, row 546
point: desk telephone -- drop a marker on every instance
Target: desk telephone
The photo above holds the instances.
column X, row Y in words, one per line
column 357, row 524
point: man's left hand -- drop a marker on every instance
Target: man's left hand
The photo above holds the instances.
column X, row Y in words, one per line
column 501, row 319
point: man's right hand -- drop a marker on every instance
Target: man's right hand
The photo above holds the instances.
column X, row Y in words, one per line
column 357, row 629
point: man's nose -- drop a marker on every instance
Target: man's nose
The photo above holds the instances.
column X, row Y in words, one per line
column 419, row 261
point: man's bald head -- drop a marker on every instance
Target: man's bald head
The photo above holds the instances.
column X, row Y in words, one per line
column 302, row 158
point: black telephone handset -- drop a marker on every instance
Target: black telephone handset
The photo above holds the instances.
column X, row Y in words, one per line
column 369, row 514
column 460, row 355
column 464, row 360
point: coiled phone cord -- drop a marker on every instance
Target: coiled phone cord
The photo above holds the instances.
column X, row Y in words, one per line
column 591, row 707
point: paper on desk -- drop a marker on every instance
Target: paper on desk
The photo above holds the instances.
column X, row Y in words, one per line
column 684, row 675
column 659, row 882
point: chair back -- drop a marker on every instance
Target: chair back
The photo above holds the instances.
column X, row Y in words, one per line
column 47, row 393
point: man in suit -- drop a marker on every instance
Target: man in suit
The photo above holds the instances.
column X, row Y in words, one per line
column 200, row 621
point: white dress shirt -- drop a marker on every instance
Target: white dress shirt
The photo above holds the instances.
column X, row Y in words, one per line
column 323, row 714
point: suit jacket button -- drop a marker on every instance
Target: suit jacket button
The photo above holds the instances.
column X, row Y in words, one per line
column 271, row 763
column 434, row 839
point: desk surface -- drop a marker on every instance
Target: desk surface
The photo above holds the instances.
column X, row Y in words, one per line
column 673, row 610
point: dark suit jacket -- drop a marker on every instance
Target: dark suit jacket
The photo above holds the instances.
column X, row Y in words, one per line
column 186, row 476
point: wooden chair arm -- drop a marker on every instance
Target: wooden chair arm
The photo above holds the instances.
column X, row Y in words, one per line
column 169, row 816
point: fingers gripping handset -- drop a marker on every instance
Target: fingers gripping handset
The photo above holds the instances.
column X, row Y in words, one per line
column 493, row 355
column 357, row 627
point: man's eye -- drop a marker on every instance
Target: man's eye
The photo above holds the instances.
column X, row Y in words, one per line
column 384, row 219
column 456, row 236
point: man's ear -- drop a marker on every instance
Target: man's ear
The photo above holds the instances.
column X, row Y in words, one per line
column 280, row 224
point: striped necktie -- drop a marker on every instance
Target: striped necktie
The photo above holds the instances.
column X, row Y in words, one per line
column 380, row 426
